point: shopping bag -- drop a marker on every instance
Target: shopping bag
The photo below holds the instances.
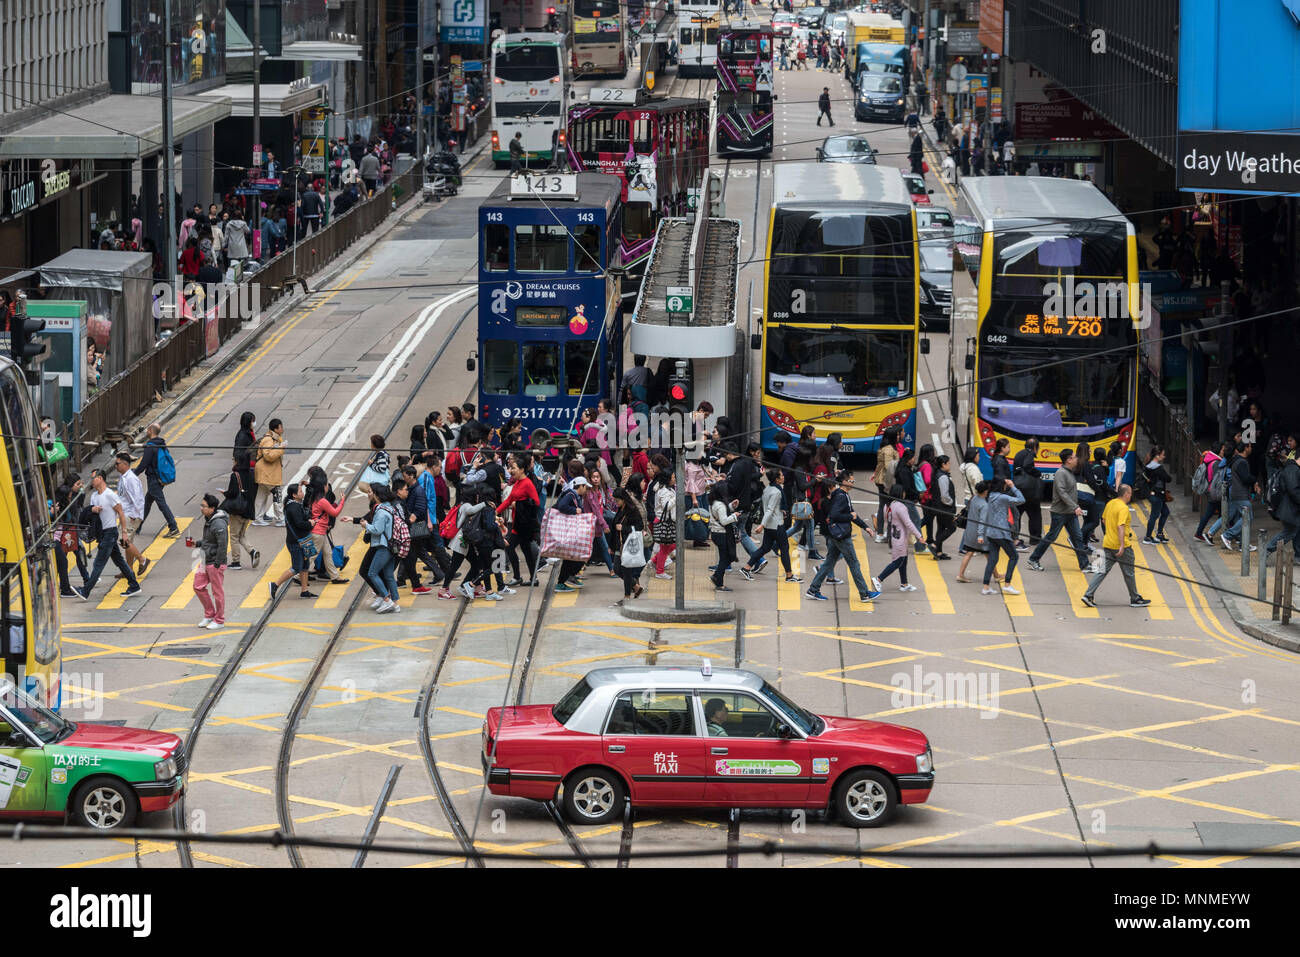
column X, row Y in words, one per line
column 567, row 537
column 633, row 555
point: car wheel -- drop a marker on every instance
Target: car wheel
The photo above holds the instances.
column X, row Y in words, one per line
column 104, row 804
column 592, row 796
column 866, row 799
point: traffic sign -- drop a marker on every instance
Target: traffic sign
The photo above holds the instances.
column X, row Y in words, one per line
column 681, row 299
column 957, row 72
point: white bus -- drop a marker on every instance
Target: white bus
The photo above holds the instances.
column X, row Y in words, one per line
column 529, row 95
column 698, row 22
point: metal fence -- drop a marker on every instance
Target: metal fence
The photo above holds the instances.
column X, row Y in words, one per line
column 106, row 414
column 1168, row 427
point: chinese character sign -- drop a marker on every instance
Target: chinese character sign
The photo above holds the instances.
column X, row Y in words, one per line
column 462, row 21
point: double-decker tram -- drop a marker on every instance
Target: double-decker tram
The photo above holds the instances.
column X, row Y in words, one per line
column 841, row 321
column 659, row 150
column 550, row 311
column 698, row 25
column 1050, row 348
column 599, row 33
column 744, row 69
column 529, row 95
column 29, row 631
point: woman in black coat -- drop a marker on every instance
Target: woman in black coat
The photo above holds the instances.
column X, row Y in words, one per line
column 239, row 505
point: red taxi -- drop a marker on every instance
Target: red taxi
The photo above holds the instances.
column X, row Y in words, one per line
column 673, row 737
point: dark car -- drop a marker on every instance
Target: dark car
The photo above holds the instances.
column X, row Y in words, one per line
column 879, row 96
column 936, row 284
column 811, row 16
column 846, row 149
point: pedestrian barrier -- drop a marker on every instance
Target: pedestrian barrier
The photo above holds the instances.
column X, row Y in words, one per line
column 1283, row 574
column 107, row 412
column 1167, row 426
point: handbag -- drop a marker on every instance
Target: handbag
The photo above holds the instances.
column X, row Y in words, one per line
column 963, row 516
column 665, row 530
column 567, row 537
column 307, row 546
column 239, row 504
column 69, row 539
column 918, row 482
column 802, row 511
column 697, row 525
column 633, row 552
column 419, row 530
column 1169, row 496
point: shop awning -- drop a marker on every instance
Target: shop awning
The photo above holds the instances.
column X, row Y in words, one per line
column 321, row 50
column 120, row 126
column 278, row 99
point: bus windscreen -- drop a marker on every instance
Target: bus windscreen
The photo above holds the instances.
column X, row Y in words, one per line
column 527, row 63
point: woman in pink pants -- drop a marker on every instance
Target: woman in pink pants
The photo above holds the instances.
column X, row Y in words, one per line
column 664, row 518
column 210, row 577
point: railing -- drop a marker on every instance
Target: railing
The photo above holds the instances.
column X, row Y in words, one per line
column 1168, row 428
column 103, row 417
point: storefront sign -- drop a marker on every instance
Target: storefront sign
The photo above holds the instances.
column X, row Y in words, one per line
column 26, row 184
column 964, row 39
column 1238, row 162
column 462, row 21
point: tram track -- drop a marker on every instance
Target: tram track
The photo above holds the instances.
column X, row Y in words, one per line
column 225, row 677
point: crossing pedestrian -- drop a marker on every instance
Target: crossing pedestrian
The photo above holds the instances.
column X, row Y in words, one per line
column 569, row 502
column 153, row 461
column 999, row 523
column 112, row 521
column 238, row 508
column 883, row 477
column 898, row 527
column 773, row 521
column 67, row 511
column 380, row 529
column 629, row 517
column 1242, row 486
column 523, row 504
column 297, row 533
column 943, row 506
column 972, row 536
column 824, row 106
column 321, row 507
column 1116, row 520
column 268, row 471
column 1065, row 513
column 1029, row 480
column 665, row 523
column 840, row 519
column 131, row 491
column 723, row 529
column 210, row 571
column 1156, row 480
column 424, row 526
column 1288, row 507
column 468, row 505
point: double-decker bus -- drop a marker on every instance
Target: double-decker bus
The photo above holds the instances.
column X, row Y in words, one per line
column 529, row 95
column 550, row 311
column 1050, row 348
column 658, row 148
column 29, row 628
column 599, row 31
column 841, row 318
column 698, row 25
column 744, row 70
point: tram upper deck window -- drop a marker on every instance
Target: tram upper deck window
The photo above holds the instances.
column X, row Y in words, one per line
column 586, row 254
column 638, row 221
column 541, row 248
column 496, row 248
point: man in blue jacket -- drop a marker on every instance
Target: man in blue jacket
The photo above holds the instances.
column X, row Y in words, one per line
column 840, row 519
column 148, row 467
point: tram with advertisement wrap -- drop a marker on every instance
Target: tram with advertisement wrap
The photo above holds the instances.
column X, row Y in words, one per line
column 841, row 312
column 1045, row 318
column 744, row 67
column 29, row 632
column 659, row 150
column 550, row 329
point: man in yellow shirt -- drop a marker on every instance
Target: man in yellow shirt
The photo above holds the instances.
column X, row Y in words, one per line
column 1117, row 522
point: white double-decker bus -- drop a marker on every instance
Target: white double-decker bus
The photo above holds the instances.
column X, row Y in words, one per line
column 529, row 94
column 698, row 23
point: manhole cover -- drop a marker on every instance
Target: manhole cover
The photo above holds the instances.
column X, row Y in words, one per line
column 185, row 651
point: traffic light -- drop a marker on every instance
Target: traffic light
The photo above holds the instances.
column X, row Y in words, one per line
column 680, row 391
column 21, row 330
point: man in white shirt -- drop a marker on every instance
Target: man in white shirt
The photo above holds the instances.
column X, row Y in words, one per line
column 105, row 503
column 131, row 491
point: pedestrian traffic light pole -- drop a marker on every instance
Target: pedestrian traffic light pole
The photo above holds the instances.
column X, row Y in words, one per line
column 260, row 158
column 169, row 164
column 679, row 507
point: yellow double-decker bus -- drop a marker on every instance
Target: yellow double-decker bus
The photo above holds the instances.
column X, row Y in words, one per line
column 841, row 329
column 1045, row 317
column 29, row 631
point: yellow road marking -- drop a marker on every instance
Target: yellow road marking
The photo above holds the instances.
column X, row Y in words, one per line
column 788, row 594
column 277, row 566
column 1146, row 585
column 936, row 589
column 157, row 548
column 855, row 602
column 1075, row 584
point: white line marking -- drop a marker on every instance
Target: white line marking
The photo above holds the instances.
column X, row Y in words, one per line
column 344, row 427
column 938, row 443
column 929, row 413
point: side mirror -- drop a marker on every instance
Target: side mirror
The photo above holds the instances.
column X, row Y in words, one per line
column 783, row 731
column 469, row 361
column 756, row 340
column 925, row 347
column 929, row 190
column 820, row 155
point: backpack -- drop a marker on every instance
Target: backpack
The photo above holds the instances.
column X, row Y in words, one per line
column 1200, row 479
column 400, row 541
column 1274, row 493
column 447, row 527
column 1219, row 484
column 1276, row 448
column 1141, row 482
column 165, row 465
